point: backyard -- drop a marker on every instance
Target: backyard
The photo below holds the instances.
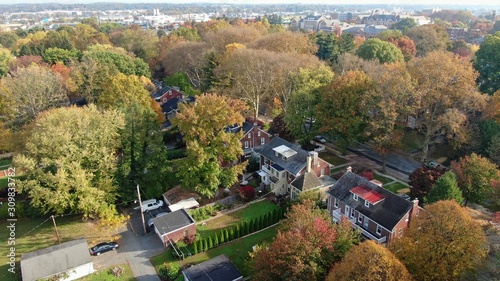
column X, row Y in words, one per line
column 396, row 187
column 107, row 275
column 331, row 158
column 236, row 250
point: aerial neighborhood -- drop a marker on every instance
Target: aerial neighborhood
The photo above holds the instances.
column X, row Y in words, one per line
column 205, row 141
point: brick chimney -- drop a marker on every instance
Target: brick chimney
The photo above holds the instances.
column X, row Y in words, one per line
column 349, row 169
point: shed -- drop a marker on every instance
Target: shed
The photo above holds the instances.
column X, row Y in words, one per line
column 184, row 204
column 174, row 226
column 219, row 268
column 70, row 260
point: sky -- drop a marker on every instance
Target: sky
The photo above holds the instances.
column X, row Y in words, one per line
column 430, row 3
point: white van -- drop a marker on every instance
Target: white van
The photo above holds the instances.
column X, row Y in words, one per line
column 151, row 204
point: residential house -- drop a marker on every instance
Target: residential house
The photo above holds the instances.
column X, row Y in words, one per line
column 171, row 107
column 378, row 213
column 174, row 226
column 309, row 23
column 253, row 136
column 287, row 168
column 164, row 93
column 219, row 268
column 381, row 19
column 67, row 261
column 457, row 33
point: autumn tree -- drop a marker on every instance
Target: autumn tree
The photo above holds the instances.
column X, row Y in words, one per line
column 5, row 59
column 24, row 100
column 422, row 180
column 381, row 51
column 445, row 188
column 70, row 161
column 428, row 38
column 285, row 42
column 369, row 261
column 143, row 43
column 303, row 249
column 210, row 147
column 487, row 63
column 442, row 243
column 341, row 108
column 444, row 99
column 475, row 175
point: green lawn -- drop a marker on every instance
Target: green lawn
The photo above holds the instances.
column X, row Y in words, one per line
column 106, row 275
column 41, row 235
column 411, row 140
column 3, row 182
column 236, row 250
column 5, row 162
column 382, row 179
column 395, row 187
column 252, row 211
column 331, row 158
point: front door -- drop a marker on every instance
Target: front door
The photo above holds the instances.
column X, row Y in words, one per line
column 346, row 211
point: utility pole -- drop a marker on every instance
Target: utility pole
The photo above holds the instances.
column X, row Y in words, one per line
column 142, row 213
column 55, row 226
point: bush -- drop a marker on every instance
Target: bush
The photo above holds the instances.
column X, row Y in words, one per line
column 190, row 239
column 253, row 165
column 173, row 154
column 247, row 193
column 169, row 271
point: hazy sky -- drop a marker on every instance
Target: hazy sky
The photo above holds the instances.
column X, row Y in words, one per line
column 430, row 3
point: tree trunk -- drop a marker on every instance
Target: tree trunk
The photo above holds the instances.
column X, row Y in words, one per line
column 384, row 163
column 425, row 147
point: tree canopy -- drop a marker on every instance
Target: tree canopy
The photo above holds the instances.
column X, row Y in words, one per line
column 445, row 188
column 487, row 63
column 383, row 52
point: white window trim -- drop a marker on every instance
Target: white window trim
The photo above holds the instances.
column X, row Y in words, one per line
column 258, row 133
column 379, row 230
column 335, row 203
column 360, row 218
column 355, row 197
column 367, row 204
column 246, row 144
column 351, row 215
column 263, row 141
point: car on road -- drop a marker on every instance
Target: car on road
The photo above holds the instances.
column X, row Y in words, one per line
column 103, row 248
column 151, row 204
column 150, row 221
column 432, row 165
column 320, row 139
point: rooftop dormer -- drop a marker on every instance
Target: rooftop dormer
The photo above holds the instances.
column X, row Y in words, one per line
column 367, row 194
column 284, row 152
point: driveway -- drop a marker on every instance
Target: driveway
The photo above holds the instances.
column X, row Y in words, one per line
column 136, row 248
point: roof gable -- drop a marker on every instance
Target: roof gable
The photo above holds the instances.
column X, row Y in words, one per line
column 294, row 164
column 306, row 181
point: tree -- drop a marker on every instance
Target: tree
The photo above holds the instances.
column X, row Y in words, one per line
column 54, row 55
column 216, row 240
column 5, row 59
column 210, row 147
column 474, row 176
column 118, row 58
column 405, row 45
column 143, row 43
column 371, row 262
column 487, row 63
column 341, row 111
column 445, row 188
column 383, row 52
column 422, row 180
column 24, row 100
column 405, row 24
column 330, row 46
column 302, row 250
column 428, row 38
column 445, row 99
column 70, row 161
column 442, row 243
column 247, row 193
column 285, row 42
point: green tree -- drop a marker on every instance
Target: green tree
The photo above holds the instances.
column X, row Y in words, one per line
column 5, row 59
column 195, row 249
column 8, row 39
column 222, row 238
column 474, row 176
column 210, row 242
column 70, row 161
column 383, row 52
column 405, row 24
column 428, row 38
column 371, row 262
column 54, row 55
column 205, row 245
column 330, row 46
column 143, row 43
column 442, row 243
column 487, row 63
column 216, row 241
column 445, row 188
column 189, row 34
column 203, row 125
column 226, row 235
column 231, row 234
column 118, row 58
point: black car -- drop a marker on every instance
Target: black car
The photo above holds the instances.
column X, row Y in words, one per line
column 103, row 248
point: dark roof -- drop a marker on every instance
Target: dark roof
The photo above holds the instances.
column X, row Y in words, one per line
column 306, row 181
column 172, row 221
column 170, row 105
column 277, row 167
column 293, row 164
column 387, row 212
column 246, row 126
column 55, row 259
column 312, row 17
column 219, row 268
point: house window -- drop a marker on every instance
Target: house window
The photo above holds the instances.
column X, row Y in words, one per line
column 258, row 133
column 262, row 141
column 367, row 204
column 164, row 99
column 352, row 213
column 186, row 232
column 355, row 197
column 346, row 210
column 335, row 203
column 379, row 229
column 276, row 153
column 169, row 93
column 283, row 175
column 360, row 218
column 249, row 136
column 246, row 144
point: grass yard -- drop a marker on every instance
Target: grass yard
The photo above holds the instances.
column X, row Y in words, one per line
column 3, row 182
column 5, row 163
column 331, row 158
column 106, row 275
column 411, row 140
column 382, row 179
column 252, row 211
column 395, row 187
column 236, row 250
column 34, row 234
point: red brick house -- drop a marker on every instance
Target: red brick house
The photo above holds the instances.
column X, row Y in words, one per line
column 174, row 226
column 253, row 136
column 378, row 213
column 164, row 93
column 287, row 168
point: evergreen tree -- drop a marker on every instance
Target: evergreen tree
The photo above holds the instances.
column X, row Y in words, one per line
column 237, row 233
column 247, row 228
column 445, row 188
column 275, row 216
column 226, row 235
column 222, row 240
column 231, row 234
column 195, row 245
column 216, row 241
column 200, row 245
column 210, row 242
column 205, row 245
column 252, row 226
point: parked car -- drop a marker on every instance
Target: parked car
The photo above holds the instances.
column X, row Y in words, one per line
column 151, row 204
column 320, row 139
column 103, row 248
column 432, row 165
column 150, row 221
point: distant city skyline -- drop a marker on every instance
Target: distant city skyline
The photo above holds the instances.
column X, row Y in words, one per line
column 429, row 3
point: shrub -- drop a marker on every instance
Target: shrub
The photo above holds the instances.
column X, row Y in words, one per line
column 190, row 239
column 195, row 248
column 247, row 193
column 253, row 164
column 210, row 242
column 169, row 271
column 216, row 240
column 222, row 239
column 117, row 271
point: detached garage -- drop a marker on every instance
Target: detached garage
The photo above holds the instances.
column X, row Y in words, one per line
column 70, row 260
column 174, row 226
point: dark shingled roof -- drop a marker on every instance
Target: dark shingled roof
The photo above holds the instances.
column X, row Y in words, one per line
column 306, row 181
column 172, row 221
column 387, row 213
column 236, row 128
column 170, row 105
column 56, row 259
column 219, row 268
column 293, row 164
